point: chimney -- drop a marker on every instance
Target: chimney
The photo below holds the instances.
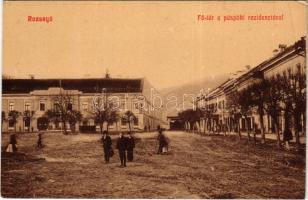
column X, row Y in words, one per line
column 248, row 67
column 275, row 52
column 107, row 75
column 282, row 47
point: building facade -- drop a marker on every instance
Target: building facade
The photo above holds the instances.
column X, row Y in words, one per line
column 37, row 96
column 288, row 59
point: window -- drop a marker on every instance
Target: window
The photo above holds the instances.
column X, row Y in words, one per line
column 42, row 106
column 11, row 106
column 136, row 121
column 85, row 106
column 69, row 106
column 27, row 122
column 27, row 106
column 85, row 123
column 299, row 67
column 11, row 123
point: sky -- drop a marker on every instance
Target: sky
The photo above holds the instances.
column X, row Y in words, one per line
column 162, row 41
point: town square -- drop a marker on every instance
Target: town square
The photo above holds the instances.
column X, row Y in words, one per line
column 168, row 103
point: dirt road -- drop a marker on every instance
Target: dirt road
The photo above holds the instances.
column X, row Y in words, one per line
column 196, row 167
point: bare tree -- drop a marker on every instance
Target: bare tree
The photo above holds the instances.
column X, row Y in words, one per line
column 233, row 107
column 191, row 117
column 273, row 99
column 257, row 100
column 12, row 117
column 74, row 117
column 293, row 86
column 129, row 117
column 62, row 110
column 104, row 110
column 245, row 102
column 112, row 117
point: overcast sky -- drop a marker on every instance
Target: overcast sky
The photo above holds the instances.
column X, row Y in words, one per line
column 162, row 41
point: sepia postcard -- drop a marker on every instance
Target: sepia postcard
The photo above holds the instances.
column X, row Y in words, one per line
column 153, row 99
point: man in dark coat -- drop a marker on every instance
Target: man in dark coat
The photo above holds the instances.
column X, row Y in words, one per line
column 39, row 141
column 106, row 140
column 13, row 142
column 130, row 147
column 122, row 146
column 162, row 142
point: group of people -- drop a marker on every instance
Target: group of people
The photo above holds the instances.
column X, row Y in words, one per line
column 125, row 145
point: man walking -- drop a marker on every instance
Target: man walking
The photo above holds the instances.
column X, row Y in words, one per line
column 162, row 142
column 39, row 141
column 122, row 146
column 106, row 140
column 130, row 147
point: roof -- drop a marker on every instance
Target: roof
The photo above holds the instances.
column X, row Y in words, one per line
column 255, row 71
column 94, row 85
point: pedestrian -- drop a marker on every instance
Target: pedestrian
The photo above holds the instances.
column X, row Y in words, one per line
column 39, row 141
column 161, row 141
column 121, row 146
column 13, row 142
column 287, row 136
column 106, row 140
column 130, row 147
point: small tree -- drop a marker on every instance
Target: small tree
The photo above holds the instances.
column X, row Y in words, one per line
column 74, row 117
column 63, row 106
column 104, row 110
column 112, row 117
column 13, row 116
column 233, row 107
column 293, row 86
column 42, row 123
column 129, row 117
column 273, row 99
column 52, row 116
column 191, row 118
column 207, row 115
column 257, row 99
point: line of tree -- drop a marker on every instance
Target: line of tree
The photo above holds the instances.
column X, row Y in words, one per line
column 63, row 112
column 280, row 96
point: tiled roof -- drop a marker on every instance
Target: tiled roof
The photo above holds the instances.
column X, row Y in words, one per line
column 94, row 85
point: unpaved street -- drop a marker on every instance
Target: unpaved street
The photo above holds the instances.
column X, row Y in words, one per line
column 196, row 167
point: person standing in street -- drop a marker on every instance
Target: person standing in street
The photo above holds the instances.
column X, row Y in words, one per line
column 106, row 140
column 39, row 141
column 162, row 142
column 130, row 147
column 122, row 146
column 13, row 142
column 287, row 136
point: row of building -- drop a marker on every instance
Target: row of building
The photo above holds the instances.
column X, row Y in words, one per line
column 38, row 96
column 286, row 58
